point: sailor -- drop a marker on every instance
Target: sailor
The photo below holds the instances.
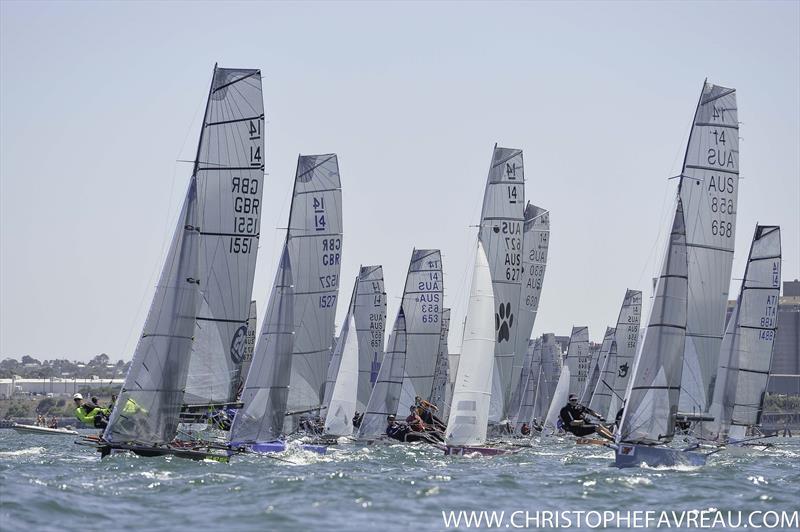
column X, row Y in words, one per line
column 426, row 412
column 525, row 430
column 395, row 430
column 574, row 419
column 89, row 413
column 415, row 421
column 357, row 419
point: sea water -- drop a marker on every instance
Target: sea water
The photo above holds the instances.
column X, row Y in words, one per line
column 49, row 483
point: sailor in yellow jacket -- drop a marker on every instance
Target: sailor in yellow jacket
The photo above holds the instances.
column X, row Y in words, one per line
column 89, row 413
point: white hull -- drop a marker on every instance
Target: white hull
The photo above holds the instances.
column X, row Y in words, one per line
column 34, row 429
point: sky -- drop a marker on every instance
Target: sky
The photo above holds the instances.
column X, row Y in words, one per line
column 100, row 101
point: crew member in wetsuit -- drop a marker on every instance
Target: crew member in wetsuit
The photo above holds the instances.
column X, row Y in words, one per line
column 395, row 430
column 573, row 417
column 89, row 413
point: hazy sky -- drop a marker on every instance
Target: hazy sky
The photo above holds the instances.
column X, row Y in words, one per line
column 98, row 102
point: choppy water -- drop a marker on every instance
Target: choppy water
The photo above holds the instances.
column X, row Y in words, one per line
column 48, row 483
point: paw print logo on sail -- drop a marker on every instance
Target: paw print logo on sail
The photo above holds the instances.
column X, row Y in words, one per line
column 623, row 370
column 503, row 321
column 238, row 343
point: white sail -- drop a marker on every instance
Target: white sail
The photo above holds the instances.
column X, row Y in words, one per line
column 535, row 243
column 336, row 353
column 597, row 366
column 230, row 173
column 266, row 388
column 342, row 408
column 708, row 189
column 441, row 376
column 551, row 371
column 469, row 413
column 249, row 345
column 651, row 401
column 422, row 304
column 501, row 235
column 623, row 352
column 370, row 318
column 578, row 359
column 746, row 352
column 315, row 245
column 559, row 398
column 385, row 396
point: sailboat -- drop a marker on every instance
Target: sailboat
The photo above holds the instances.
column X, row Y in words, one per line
column 708, row 188
column 577, row 360
column 530, row 380
column 550, row 373
column 597, row 364
column 200, row 309
column 469, row 412
column 746, row 353
column 440, row 394
column 413, row 345
column 651, row 401
column 301, row 305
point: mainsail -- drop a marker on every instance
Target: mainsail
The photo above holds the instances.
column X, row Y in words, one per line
column 578, row 359
column 422, row 304
column 651, row 402
column 708, row 189
column 469, row 413
column 370, row 318
column 249, row 345
column 337, row 351
column 531, row 378
column 266, row 387
column 201, row 305
column 623, row 351
column 535, row 242
column 746, row 353
column 314, row 242
column 385, row 396
column 551, row 370
column 500, row 234
column 230, row 171
column 441, row 376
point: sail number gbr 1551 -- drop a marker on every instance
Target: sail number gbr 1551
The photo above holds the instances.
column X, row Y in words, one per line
column 245, row 214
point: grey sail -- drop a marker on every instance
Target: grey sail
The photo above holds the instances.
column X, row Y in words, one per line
column 266, row 387
column 500, row 234
column 370, row 318
column 551, row 370
column 337, row 350
column 150, row 400
column 596, row 367
column 614, row 381
column 651, row 402
column 315, row 245
column 708, row 189
column 578, row 359
column 535, row 243
column 441, row 375
column 385, row 396
column 746, row 353
column 530, row 380
column 230, row 174
column 422, row 305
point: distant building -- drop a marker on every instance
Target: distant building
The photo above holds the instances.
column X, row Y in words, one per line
column 55, row 386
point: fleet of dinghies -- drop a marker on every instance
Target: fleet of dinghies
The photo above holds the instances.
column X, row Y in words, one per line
column 298, row 384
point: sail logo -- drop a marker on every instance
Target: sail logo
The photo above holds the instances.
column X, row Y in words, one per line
column 503, row 321
column 623, row 371
column 238, row 344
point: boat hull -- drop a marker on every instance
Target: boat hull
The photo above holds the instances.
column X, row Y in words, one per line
column 33, row 429
column 278, row 447
column 632, row 455
column 483, row 451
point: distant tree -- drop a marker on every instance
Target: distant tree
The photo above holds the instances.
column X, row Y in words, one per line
column 100, row 360
column 45, row 405
column 17, row 410
column 26, row 359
